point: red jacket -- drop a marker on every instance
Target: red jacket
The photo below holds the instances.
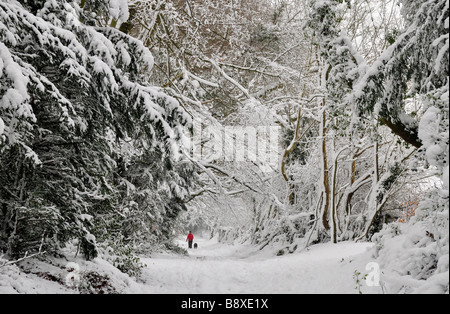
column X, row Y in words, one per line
column 190, row 237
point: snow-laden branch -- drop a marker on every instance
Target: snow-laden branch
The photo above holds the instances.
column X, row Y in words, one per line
column 228, row 78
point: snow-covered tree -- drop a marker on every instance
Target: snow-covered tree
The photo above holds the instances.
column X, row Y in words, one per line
column 404, row 70
column 73, row 93
column 404, row 89
column 416, row 66
column 344, row 169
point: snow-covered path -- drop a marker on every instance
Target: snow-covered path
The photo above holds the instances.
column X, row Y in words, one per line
column 216, row 268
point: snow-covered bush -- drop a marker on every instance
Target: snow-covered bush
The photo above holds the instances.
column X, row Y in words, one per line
column 128, row 263
column 414, row 255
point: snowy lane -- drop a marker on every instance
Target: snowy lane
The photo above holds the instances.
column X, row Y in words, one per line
column 222, row 269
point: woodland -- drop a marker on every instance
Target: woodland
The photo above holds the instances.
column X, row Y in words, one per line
column 102, row 103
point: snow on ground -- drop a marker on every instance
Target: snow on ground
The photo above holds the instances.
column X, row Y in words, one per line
column 216, row 268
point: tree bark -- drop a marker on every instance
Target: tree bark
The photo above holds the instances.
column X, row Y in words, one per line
column 326, row 184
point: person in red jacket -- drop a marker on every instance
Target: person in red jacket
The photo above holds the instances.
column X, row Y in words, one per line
column 190, row 239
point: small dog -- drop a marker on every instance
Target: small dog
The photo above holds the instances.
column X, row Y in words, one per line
column 195, row 246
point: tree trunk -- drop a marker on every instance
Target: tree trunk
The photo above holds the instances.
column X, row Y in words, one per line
column 333, row 197
column 286, row 154
column 326, row 185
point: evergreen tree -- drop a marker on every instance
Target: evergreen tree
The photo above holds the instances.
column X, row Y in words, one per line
column 73, row 94
column 413, row 66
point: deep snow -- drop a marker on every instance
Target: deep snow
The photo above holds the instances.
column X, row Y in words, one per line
column 219, row 268
column 216, row 268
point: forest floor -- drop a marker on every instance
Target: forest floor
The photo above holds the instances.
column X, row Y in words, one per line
column 213, row 268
